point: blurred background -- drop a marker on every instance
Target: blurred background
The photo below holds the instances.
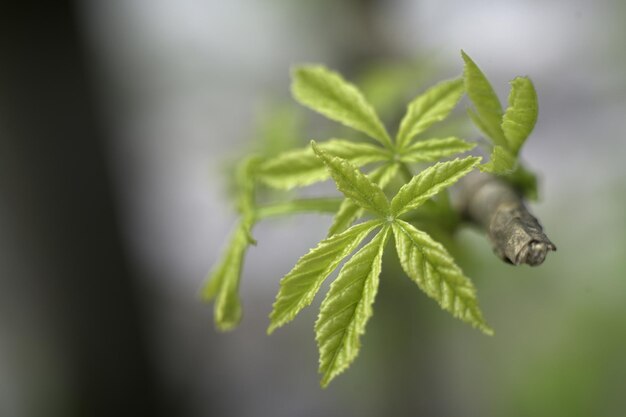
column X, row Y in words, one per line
column 120, row 122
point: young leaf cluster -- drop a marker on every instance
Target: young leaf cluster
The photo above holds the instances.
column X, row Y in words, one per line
column 347, row 306
column 507, row 130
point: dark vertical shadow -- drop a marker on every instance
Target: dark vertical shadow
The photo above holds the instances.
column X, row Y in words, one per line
column 66, row 257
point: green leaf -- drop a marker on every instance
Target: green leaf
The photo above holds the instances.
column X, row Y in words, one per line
column 301, row 167
column 223, row 281
column 347, row 308
column 501, row 162
column 349, row 211
column 431, row 107
column 432, row 268
column 305, row 205
column 429, row 182
column 327, row 92
column 299, row 286
column 488, row 107
column 246, row 193
column 354, row 184
column 521, row 115
column 431, row 150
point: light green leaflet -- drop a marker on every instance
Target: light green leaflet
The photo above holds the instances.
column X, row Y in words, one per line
column 429, row 182
column 353, row 184
column 431, row 107
column 223, row 282
column 434, row 271
column 430, row 150
column 347, row 308
column 299, row 286
column 348, row 304
column 349, row 211
column 247, row 189
column 501, row 162
column 327, row 92
column 301, row 167
column 485, row 100
column 521, row 115
column 508, row 131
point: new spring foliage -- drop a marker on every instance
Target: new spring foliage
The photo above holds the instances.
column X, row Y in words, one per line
column 367, row 216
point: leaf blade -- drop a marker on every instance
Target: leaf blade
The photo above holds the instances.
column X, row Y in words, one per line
column 521, row 115
column 326, row 92
column 353, row 183
column 431, row 150
column 501, row 162
column 347, row 308
column 299, row 286
column 223, row 282
column 300, row 167
column 434, row 271
column 429, row 182
column 434, row 105
column 484, row 99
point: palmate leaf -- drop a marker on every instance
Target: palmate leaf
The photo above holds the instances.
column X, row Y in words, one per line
column 326, row 91
column 501, row 162
column 488, row 115
column 349, row 211
column 354, row 184
column 521, row 115
column 302, row 167
column 299, row 286
column 347, row 308
column 429, row 182
column 223, row 281
column 432, row 268
column 431, row 107
column 430, row 150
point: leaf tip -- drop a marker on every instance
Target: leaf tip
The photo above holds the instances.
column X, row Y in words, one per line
column 276, row 321
column 520, row 78
column 225, row 327
column 476, row 160
column 486, row 330
column 465, row 57
column 318, row 151
column 227, row 324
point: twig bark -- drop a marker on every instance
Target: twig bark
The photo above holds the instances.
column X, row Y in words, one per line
column 497, row 208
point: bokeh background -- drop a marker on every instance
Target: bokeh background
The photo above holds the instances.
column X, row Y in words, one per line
column 120, row 122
